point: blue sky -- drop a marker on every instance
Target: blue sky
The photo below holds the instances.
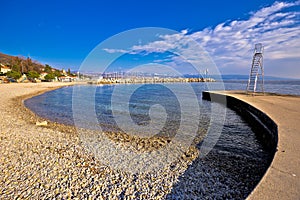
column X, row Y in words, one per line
column 63, row 33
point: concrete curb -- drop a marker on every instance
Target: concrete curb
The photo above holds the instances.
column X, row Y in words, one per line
column 276, row 118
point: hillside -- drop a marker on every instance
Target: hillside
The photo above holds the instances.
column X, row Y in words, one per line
column 5, row 58
column 21, row 64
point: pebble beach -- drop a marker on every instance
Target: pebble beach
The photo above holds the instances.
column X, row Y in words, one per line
column 41, row 160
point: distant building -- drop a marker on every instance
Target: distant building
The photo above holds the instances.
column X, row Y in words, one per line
column 63, row 72
column 4, row 69
column 42, row 75
column 67, row 78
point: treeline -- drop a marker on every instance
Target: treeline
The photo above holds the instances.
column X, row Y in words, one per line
column 25, row 65
column 52, row 73
column 32, row 69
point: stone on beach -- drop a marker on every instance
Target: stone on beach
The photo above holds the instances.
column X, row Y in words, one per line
column 43, row 123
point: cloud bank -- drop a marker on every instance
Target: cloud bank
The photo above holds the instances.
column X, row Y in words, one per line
column 230, row 44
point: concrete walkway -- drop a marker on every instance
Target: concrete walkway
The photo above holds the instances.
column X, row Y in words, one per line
column 282, row 180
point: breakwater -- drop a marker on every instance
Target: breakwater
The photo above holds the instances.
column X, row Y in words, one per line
column 149, row 80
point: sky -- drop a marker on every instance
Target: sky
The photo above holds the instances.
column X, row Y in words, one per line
column 64, row 33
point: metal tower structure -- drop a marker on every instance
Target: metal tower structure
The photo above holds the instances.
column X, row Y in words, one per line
column 256, row 76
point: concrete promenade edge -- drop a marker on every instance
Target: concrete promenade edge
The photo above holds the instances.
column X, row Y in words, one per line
column 282, row 179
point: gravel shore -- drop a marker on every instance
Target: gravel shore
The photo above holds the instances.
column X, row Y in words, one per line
column 50, row 161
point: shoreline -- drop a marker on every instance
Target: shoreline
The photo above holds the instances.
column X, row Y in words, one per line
column 149, row 144
column 38, row 161
column 33, row 117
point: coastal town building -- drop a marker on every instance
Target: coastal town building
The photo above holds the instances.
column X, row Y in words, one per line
column 4, row 69
column 42, row 75
column 67, row 78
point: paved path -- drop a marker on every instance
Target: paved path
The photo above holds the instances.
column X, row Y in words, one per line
column 282, row 180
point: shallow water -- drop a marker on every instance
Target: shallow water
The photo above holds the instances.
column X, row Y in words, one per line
column 231, row 170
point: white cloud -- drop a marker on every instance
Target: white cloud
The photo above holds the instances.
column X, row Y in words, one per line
column 230, row 43
column 115, row 50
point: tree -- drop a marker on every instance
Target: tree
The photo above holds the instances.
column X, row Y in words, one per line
column 16, row 64
column 48, row 69
column 27, row 65
column 57, row 73
column 13, row 74
column 33, row 74
column 49, row 77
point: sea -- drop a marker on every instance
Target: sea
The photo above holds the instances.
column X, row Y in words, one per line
column 232, row 168
column 289, row 87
